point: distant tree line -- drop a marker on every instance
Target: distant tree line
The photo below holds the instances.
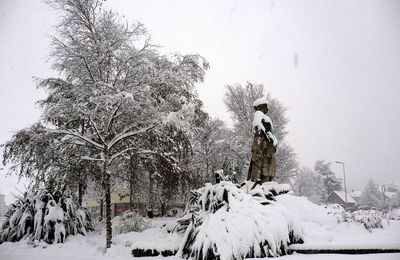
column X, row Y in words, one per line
column 318, row 183
column 380, row 196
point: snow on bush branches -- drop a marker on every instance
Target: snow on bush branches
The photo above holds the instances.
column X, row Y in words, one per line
column 368, row 218
column 130, row 222
column 228, row 222
column 44, row 216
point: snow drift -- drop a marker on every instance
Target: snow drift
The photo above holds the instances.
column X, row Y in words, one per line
column 230, row 222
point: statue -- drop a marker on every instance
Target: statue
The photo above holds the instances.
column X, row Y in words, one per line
column 263, row 162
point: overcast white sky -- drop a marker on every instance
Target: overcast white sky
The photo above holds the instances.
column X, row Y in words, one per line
column 342, row 95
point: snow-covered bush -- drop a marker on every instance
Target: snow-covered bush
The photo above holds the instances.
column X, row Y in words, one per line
column 44, row 216
column 228, row 222
column 130, row 222
column 369, row 218
column 394, row 214
column 334, row 208
column 175, row 212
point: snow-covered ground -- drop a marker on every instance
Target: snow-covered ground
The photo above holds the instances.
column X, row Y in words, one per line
column 321, row 230
column 341, row 257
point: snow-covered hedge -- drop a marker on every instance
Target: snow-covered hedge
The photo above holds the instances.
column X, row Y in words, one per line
column 230, row 222
column 44, row 216
column 130, row 222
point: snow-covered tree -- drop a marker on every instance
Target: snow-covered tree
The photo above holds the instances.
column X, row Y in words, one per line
column 209, row 148
column 239, row 101
column 331, row 182
column 371, row 195
column 28, row 152
column 309, row 184
column 287, row 165
column 130, row 173
column 37, row 155
column 395, row 201
column 115, row 95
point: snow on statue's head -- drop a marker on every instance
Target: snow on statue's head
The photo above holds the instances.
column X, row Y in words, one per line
column 261, row 104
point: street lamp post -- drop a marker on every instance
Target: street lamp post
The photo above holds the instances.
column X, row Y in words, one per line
column 344, row 180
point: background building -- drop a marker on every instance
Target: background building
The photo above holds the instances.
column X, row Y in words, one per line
column 3, row 207
column 339, row 197
column 120, row 203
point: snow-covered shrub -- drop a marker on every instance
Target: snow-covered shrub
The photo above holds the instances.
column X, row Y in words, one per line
column 228, row 222
column 175, row 212
column 393, row 214
column 368, row 218
column 334, row 208
column 44, row 216
column 131, row 222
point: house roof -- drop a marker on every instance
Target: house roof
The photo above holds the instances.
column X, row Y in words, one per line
column 390, row 195
column 355, row 193
column 342, row 196
column 391, row 187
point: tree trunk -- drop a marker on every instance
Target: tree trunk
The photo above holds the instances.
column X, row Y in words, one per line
column 80, row 192
column 107, row 190
column 131, row 192
column 150, row 206
column 82, row 170
column 163, row 208
column 101, row 210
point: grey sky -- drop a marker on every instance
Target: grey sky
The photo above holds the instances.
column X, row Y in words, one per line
column 335, row 64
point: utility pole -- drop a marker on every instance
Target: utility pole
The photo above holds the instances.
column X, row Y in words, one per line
column 344, row 180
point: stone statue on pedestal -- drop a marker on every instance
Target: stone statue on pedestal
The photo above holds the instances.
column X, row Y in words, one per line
column 263, row 162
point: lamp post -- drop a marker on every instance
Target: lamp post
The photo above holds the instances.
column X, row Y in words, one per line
column 344, row 180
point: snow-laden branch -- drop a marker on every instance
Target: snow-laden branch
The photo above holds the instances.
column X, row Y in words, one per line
column 121, row 69
column 92, row 159
column 124, row 135
column 97, row 130
column 118, row 154
column 139, row 151
column 236, row 153
column 113, row 115
column 83, row 138
column 162, row 155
